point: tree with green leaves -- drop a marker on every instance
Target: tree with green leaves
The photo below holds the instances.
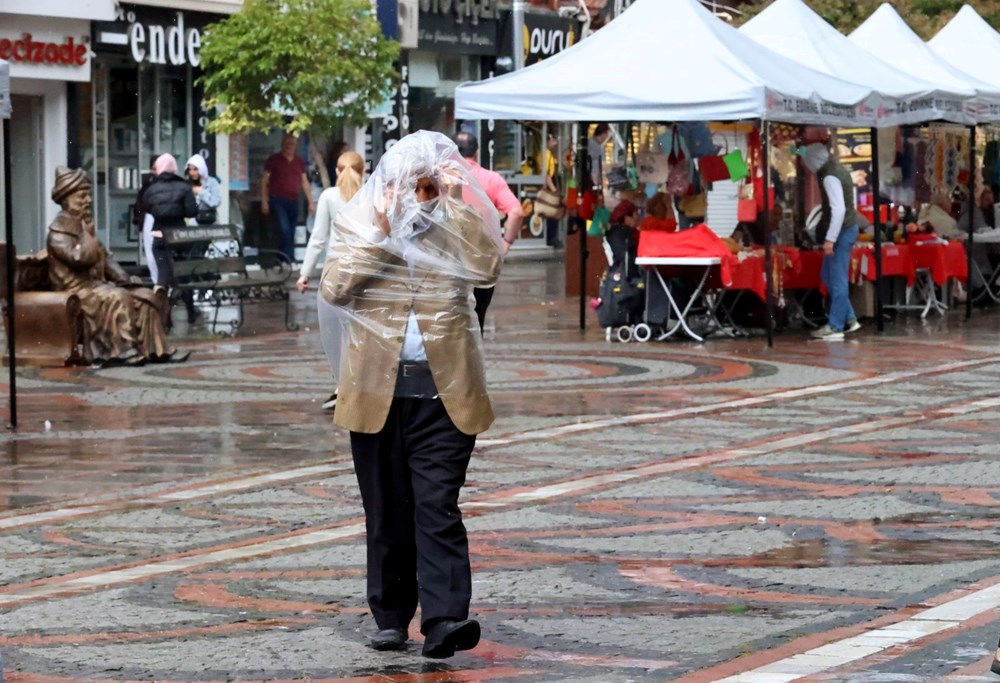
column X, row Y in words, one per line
column 297, row 65
column 926, row 17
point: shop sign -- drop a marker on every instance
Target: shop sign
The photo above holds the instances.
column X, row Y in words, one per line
column 155, row 37
column 69, row 52
column 458, row 26
column 396, row 125
column 47, row 48
column 543, row 35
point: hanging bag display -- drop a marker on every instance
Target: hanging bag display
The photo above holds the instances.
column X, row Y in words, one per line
column 678, row 180
column 549, row 205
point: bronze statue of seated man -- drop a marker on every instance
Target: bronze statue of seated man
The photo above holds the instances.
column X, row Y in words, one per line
column 122, row 322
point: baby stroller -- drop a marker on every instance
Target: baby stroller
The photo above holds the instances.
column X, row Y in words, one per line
column 623, row 289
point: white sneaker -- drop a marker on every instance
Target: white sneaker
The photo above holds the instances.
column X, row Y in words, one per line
column 852, row 326
column 827, row 333
column 330, row 403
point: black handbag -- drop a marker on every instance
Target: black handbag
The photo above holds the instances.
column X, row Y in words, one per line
column 206, row 215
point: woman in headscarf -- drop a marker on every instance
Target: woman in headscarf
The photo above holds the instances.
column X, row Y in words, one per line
column 206, row 190
column 169, row 201
column 350, row 172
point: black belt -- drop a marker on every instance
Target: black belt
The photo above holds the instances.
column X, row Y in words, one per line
column 414, row 380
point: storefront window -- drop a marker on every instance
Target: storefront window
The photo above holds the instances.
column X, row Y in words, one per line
column 139, row 112
column 433, row 79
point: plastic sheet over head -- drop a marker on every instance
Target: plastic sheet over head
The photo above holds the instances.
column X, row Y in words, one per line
column 411, row 245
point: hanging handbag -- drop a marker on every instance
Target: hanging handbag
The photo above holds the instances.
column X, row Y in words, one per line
column 736, row 166
column 698, row 139
column 586, row 208
column 746, row 205
column 599, row 224
column 678, row 180
column 694, row 205
column 572, row 196
column 652, row 167
column 618, row 178
column 549, row 205
column 207, row 215
column 713, row 169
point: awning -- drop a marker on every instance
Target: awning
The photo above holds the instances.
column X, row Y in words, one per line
column 667, row 60
column 889, row 38
column 792, row 29
column 970, row 45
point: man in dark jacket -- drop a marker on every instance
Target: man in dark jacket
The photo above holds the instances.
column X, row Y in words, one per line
column 169, row 200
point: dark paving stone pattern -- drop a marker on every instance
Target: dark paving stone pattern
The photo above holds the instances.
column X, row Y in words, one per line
column 639, row 512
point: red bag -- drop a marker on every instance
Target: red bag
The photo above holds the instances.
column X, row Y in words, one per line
column 746, row 210
column 586, row 210
column 746, row 205
column 713, row 169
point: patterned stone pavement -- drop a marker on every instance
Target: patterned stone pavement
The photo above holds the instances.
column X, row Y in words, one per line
column 657, row 512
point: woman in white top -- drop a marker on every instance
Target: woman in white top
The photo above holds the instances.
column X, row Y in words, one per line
column 350, row 169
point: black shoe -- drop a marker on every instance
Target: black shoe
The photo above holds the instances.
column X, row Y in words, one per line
column 389, row 639
column 448, row 636
column 194, row 315
column 995, row 666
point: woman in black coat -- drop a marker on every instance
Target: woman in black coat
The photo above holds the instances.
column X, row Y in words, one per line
column 169, row 200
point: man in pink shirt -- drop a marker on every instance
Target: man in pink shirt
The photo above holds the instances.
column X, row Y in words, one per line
column 503, row 199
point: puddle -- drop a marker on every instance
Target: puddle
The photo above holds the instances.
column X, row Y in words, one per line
column 822, row 552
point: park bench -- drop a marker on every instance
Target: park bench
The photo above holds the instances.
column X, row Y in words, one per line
column 49, row 325
column 211, row 262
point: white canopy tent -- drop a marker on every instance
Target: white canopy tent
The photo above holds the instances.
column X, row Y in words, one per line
column 887, row 36
column 792, row 29
column 630, row 71
column 970, row 45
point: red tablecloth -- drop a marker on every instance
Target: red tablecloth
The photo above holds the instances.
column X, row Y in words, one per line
column 698, row 241
column 944, row 260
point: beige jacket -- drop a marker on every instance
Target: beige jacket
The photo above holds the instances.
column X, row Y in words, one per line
column 378, row 290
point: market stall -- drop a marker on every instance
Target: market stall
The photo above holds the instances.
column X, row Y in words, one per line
column 732, row 79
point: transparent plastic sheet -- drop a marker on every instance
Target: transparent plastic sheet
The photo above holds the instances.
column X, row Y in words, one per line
column 410, row 247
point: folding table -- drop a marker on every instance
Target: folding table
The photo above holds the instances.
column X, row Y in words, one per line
column 653, row 263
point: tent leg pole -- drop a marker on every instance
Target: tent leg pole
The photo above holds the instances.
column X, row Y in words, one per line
column 877, row 205
column 581, row 166
column 768, row 255
column 9, row 237
column 972, row 222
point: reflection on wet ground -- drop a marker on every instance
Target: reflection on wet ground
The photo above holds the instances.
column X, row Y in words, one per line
column 639, row 512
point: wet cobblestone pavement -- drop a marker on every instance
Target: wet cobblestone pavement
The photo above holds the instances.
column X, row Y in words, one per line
column 653, row 512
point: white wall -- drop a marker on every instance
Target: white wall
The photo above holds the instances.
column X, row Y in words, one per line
column 54, row 136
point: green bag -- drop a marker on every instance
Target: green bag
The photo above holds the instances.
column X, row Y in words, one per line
column 600, row 222
column 737, row 167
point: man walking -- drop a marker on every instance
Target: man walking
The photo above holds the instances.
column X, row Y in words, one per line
column 284, row 177
column 412, row 388
column 505, row 202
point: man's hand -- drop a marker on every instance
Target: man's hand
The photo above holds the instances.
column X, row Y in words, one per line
column 505, row 247
column 265, row 208
column 312, row 209
column 828, row 248
column 302, row 284
column 451, row 181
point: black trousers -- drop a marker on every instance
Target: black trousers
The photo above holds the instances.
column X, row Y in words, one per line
column 410, row 474
column 483, row 299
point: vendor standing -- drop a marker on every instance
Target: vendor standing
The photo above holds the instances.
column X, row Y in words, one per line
column 837, row 231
